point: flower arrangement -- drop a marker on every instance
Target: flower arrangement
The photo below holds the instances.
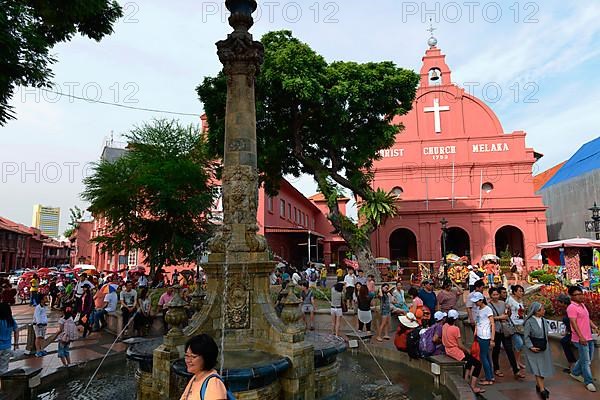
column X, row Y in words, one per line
column 551, row 293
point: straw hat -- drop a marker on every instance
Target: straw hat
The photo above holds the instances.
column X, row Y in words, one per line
column 409, row 320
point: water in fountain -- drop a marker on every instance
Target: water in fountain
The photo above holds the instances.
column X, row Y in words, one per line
column 360, row 338
column 107, row 353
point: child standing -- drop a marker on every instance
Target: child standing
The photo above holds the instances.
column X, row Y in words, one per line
column 66, row 334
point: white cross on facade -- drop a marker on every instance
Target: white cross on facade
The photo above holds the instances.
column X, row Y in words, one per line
column 436, row 113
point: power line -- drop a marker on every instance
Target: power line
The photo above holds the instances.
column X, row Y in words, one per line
column 120, row 105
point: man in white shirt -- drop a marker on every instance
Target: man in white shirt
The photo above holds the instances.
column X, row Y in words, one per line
column 349, row 283
column 296, row 278
column 471, row 307
column 473, row 277
column 40, row 324
column 109, row 306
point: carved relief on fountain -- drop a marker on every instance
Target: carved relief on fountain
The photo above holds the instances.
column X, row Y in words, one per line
column 237, row 303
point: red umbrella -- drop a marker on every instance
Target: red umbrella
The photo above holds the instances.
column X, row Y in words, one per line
column 44, row 271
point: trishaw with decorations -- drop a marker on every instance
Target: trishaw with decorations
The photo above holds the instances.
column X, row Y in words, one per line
column 425, row 270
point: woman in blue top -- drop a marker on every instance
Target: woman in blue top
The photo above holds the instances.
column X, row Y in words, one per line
column 8, row 329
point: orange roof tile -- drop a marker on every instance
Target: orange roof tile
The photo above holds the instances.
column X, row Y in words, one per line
column 540, row 179
column 320, row 197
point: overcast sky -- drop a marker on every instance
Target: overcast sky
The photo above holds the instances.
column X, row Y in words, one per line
column 534, row 63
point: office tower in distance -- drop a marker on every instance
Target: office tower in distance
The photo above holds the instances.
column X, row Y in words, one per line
column 46, row 219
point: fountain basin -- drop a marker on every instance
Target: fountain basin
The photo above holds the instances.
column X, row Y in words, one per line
column 326, row 348
column 142, row 352
column 245, row 370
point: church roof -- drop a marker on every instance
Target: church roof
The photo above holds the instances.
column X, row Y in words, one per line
column 318, row 197
column 585, row 160
column 540, row 179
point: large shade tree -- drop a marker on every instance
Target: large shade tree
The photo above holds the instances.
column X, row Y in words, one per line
column 328, row 120
column 157, row 197
column 30, row 28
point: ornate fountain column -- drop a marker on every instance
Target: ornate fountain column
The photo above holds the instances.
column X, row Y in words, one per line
column 238, row 310
column 241, row 57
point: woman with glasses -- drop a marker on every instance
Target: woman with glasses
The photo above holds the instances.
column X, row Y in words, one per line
column 201, row 353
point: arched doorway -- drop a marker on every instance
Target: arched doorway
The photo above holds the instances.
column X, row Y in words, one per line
column 403, row 247
column 509, row 238
column 458, row 242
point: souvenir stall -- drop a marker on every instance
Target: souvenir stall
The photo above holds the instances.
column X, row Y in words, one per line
column 576, row 258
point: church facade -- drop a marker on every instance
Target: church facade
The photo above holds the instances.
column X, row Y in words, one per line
column 453, row 161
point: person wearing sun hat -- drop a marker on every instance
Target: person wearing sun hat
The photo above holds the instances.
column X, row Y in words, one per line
column 455, row 349
column 407, row 323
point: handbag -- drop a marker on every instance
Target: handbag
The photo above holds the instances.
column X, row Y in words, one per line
column 475, row 350
column 507, row 329
column 540, row 343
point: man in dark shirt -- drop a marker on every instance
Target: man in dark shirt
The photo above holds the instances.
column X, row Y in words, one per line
column 429, row 298
column 565, row 341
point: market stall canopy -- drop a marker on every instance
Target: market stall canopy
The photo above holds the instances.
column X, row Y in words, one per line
column 576, row 242
column 490, row 257
column 382, row 260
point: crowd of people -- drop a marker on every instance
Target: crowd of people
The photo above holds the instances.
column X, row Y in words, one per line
column 429, row 324
column 83, row 303
column 500, row 323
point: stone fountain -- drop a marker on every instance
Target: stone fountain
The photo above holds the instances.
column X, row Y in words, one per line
column 264, row 356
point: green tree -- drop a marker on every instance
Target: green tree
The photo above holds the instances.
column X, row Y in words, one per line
column 30, row 28
column 75, row 216
column 328, row 120
column 157, row 197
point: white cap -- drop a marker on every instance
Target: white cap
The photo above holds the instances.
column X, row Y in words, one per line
column 453, row 314
column 439, row 315
column 475, row 297
column 470, row 267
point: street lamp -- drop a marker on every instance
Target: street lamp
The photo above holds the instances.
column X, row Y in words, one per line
column 594, row 224
column 444, row 236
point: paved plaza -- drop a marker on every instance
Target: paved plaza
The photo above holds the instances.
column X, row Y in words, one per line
column 97, row 344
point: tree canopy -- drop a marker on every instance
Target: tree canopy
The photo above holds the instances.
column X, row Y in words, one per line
column 75, row 216
column 328, row 120
column 30, row 28
column 158, row 196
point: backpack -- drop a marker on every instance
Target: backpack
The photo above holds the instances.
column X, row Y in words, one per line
column 426, row 345
column 412, row 344
column 205, row 385
column 313, row 275
column 69, row 333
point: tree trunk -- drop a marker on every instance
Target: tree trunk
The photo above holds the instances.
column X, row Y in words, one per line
column 367, row 262
column 348, row 230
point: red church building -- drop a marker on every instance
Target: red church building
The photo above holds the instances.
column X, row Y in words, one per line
column 454, row 161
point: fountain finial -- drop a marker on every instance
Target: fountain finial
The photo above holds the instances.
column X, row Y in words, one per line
column 241, row 13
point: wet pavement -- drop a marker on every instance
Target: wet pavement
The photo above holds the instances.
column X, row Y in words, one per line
column 95, row 346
